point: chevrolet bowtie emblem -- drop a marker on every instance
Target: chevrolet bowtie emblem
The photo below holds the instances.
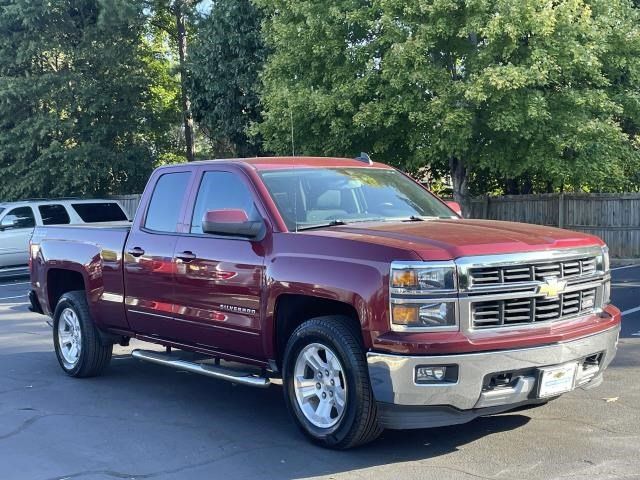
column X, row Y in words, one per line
column 552, row 287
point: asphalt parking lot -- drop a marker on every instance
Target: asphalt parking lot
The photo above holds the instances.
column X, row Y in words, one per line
column 149, row 422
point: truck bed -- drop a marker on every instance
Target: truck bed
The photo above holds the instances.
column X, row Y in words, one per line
column 93, row 253
column 95, row 234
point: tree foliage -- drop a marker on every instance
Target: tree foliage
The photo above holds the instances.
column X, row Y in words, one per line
column 225, row 58
column 503, row 96
column 75, row 98
column 527, row 91
column 322, row 74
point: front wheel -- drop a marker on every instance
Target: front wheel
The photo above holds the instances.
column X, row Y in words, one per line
column 326, row 384
column 76, row 338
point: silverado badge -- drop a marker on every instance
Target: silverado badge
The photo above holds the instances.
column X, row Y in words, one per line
column 552, row 287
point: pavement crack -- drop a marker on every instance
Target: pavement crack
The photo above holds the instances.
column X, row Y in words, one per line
column 29, row 422
column 181, row 469
column 26, row 424
column 106, row 473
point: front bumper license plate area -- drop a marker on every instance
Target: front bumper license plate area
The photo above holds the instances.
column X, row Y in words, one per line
column 393, row 376
column 557, row 379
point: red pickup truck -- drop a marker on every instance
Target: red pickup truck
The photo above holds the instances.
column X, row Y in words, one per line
column 375, row 303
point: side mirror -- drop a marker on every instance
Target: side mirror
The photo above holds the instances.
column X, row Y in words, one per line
column 232, row 222
column 8, row 222
column 455, row 206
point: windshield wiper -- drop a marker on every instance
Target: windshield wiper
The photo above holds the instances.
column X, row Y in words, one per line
column 337, row 222
column 416, row 218
column 332, row 223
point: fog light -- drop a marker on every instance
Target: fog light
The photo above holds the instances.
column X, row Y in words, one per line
column 437, row 374
column 431, row 373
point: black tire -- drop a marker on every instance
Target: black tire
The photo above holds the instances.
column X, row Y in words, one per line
column 93, row 356
column 358, row 423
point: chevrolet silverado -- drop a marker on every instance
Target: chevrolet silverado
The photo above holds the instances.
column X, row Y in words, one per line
column 373, row 301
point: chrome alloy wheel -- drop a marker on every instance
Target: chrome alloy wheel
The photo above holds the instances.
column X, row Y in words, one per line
column 320, row 386
column 69, row 337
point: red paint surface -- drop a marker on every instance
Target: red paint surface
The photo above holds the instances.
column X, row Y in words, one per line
column 226, row 216
column 160, row 297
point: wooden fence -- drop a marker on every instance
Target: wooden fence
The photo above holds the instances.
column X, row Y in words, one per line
column 614, row 217
column 129, row 202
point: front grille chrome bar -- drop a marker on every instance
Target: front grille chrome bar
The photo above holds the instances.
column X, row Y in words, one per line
column 523, row 311
column 516, row 271
column 502, row 291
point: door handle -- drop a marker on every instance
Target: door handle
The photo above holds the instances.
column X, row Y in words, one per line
column 186, row 257
column 135, row 252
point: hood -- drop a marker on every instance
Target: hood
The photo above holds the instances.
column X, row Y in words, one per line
column 449, row 239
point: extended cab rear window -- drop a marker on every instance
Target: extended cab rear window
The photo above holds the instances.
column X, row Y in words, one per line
column 164, row 208
column 96, row 212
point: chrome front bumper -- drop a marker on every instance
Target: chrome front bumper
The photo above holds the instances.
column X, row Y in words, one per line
column 393, row 376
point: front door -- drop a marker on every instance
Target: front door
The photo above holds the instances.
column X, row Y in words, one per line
column 219, row 279
column 15, row 232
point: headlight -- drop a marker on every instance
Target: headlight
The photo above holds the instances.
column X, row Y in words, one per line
column 423, row 296
column 413, row 277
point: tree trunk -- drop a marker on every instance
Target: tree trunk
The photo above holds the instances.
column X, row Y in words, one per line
column 179, row 12
column 460, row 185
column 511, row 186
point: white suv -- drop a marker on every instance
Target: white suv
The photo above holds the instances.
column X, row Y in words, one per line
column 18, row 219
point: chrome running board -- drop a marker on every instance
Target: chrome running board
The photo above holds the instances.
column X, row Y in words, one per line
column 221, row 373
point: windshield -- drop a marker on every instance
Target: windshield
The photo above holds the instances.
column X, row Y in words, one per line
column 310, row 197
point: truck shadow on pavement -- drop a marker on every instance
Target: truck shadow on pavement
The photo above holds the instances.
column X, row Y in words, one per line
column 150, row 421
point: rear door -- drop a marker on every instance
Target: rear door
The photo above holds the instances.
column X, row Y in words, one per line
column 219, row 279
column 15, row 232
column 148, row 254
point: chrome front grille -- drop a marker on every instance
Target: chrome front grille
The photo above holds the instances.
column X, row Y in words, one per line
column 499, row 275
column 522, row 311
column 531, row 288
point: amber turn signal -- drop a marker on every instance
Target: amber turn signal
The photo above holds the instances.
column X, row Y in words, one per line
column 405, row 314
column 405, row 278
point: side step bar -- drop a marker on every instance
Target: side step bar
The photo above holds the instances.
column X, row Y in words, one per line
column 220, row 373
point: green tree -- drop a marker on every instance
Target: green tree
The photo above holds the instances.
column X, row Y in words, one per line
column 75, row 98
column 474, row 88
column 174, row 18
column 226, row 55
column 162, row 65
column 323, row 71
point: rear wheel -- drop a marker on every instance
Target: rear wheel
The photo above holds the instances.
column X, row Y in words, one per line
column 326, row 384
column 76, row 339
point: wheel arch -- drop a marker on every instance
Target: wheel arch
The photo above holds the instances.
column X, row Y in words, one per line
column 62, row 280
column 292, row 310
